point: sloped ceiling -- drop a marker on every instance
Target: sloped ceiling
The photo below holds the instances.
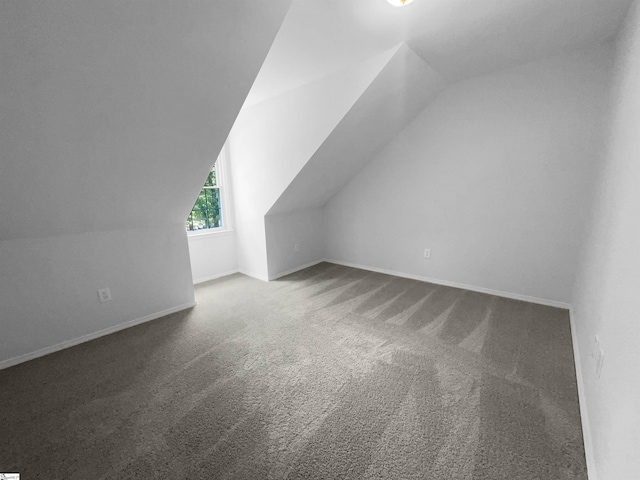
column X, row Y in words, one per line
column 459, row 38
column 398, row 93
column 272, row 141
column 465, row 38
column 445, row 40
column 113, row 112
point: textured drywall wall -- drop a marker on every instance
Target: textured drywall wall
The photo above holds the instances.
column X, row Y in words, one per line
column 111, row 116
column 606, row 301
column 394, row 97
column 492, row 177
column 212, row 255
column 286, row 230
column 48, row 286
column 272, row 140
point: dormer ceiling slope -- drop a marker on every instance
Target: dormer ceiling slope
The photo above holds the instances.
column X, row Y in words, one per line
column 444, row 41
column 273, row 140
column 402, row 89
column 112, row 113
column 458, row 38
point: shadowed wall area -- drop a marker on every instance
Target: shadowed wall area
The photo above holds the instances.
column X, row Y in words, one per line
column 331, row 372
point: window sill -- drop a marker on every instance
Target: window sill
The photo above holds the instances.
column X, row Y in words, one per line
column 212, row 232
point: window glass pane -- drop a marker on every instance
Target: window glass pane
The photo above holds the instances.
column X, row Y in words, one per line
column 206, row 212
column 211, row 178
column 199, row 212
column 214, row 208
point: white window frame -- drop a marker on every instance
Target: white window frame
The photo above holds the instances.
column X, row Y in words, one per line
column 225, row 208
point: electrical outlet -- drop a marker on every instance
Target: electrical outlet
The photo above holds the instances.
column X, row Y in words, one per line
column 296, row 247
column 427, row 253
column 104, row 295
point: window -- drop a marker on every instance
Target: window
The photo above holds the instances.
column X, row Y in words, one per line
column 207, row 212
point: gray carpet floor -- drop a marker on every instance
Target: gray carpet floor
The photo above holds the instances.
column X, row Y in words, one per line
column 331, row 372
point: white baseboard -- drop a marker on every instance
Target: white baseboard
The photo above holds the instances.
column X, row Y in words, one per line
column 281, row 274
column 257, row 276
column 213, row 277
column 498, row 293
column 584, row 415
column 91, row 336
column 293, row 270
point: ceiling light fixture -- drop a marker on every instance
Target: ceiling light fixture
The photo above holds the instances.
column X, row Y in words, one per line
column 399, row 3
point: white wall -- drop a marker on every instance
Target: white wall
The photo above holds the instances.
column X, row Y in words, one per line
column 392, row 100
column 606, row 301
column 212, row 255
column 272, row 140
column 48, row 286
column 284, row 231
column 491, row 176
column 111, row 115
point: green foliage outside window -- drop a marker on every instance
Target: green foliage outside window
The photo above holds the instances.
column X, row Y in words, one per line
column 206, row 212
column 211, row 178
